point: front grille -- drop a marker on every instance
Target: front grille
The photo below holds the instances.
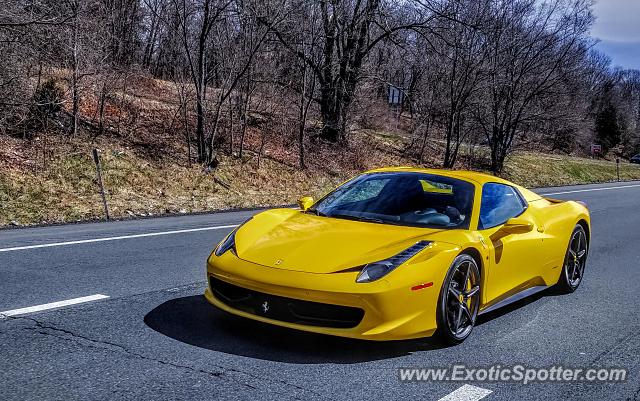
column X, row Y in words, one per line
column 286, row 309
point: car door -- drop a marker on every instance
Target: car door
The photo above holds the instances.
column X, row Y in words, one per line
column 514, row 258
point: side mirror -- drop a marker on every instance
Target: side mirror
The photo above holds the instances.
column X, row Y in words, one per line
column 305, row 202
column 517, row 225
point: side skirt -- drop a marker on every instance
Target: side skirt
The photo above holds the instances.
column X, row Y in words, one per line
column 514, row 298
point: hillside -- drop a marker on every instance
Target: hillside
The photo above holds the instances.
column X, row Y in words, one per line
column 200, row 105
column 61, row 186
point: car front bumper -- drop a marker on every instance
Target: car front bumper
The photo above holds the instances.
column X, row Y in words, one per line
column 391, row 311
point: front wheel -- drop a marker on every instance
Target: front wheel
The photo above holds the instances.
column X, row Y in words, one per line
column 574, row 261
column 459, row 300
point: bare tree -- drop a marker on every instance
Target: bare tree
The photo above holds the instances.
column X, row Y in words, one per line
column 533, row 46
column 350, row 31
column 205, row 14
column 461, row 50
column 504, row 73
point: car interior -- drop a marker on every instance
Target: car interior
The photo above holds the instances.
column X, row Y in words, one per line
column 411, row 199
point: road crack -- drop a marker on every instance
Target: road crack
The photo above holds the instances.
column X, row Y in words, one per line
column 222, row 373
column 618, row 344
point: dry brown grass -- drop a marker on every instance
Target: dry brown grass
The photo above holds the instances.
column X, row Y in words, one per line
column 52, row 178
column 542, row 170
column 65, row 189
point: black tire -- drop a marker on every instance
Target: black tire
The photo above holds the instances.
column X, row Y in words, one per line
column 458, row 304
column 575, row 261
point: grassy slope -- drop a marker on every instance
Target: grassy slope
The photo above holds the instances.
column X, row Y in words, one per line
column 66, row 190
column 542, row 170
column 144, row 171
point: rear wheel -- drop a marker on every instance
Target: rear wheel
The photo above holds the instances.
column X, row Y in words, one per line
column 459, row 300
column 574, row 261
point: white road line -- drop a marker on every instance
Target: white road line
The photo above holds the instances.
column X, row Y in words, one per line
column 87, row 241
column 467, row 393
column 52, row 305
column 591, row 190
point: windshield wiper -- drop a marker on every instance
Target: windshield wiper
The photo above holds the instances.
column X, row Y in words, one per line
column 316, row 212
column 358, row 218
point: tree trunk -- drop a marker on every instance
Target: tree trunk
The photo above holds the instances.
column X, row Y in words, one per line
column 447, row 153
column 330, row 113
column 245, row 112
column 302, row 122
column 200, row 131
column 424, row 139
column 187, row 134
column 496, row 166
column 210, row 157
column 74, row 73
column 230, row 127
column 103, row 100
column 151, row 40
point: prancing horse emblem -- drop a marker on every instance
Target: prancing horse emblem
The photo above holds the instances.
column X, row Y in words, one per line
column 265, row 307
column 278, row 262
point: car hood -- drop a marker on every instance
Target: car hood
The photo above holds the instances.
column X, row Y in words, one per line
column 291, row 240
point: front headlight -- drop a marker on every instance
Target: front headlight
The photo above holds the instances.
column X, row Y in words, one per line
column 377, row 270
column 230, row 241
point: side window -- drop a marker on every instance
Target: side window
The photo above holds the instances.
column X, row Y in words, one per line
column 499, row 204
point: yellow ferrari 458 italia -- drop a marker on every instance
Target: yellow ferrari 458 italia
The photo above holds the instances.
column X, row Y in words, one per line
column 399, row 253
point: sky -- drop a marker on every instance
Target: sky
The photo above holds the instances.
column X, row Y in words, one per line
column 618, row 29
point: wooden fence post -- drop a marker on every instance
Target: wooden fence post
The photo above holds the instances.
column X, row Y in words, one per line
column 96, row 159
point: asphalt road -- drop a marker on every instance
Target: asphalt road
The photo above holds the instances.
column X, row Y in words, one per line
column 155, row 337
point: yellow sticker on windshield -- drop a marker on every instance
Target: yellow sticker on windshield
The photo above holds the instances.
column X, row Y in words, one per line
column 433, row 187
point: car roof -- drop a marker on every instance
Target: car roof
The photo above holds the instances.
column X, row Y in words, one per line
column 467, row 175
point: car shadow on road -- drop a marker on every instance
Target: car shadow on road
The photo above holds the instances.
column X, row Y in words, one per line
column 193, row 321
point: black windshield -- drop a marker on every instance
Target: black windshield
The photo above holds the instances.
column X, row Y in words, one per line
column 411, row 199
